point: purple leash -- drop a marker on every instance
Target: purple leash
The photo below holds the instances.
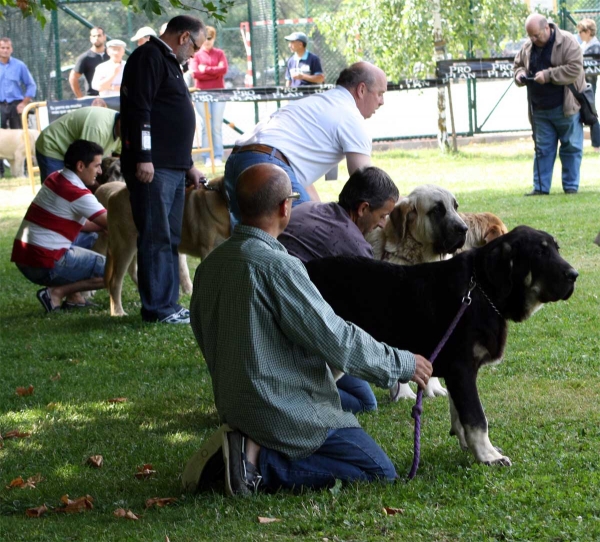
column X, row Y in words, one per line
column 417, row 410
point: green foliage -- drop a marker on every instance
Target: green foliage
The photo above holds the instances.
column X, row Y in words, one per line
column 216, row 9
column 397, row 35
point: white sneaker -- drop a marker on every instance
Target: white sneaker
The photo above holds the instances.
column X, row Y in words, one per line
column 218, row 162
column 207, row 162
column 176, row 318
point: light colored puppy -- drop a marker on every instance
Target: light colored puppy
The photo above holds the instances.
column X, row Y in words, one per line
column 12, row 148
column 205, row 225
column 426, row 227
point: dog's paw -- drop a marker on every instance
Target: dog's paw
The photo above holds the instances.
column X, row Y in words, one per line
column 401, row 391
column 435, row 389
column 501, row 461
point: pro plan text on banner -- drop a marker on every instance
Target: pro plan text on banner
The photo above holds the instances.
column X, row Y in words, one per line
column 494, row 68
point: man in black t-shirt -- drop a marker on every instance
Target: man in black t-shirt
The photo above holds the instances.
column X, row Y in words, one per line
column 87, row 62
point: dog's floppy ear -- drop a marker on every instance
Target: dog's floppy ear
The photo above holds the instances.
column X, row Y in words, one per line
column 493, row 232
column 498, row 268
column 399, row 217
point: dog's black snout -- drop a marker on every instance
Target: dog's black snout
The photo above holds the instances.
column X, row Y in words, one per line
column 462, row 228
column 572, row 274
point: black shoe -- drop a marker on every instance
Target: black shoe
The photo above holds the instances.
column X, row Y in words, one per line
column 536, row 193
column 570, row 191
column 206, row 466
column 241, row 477
column 44, row 298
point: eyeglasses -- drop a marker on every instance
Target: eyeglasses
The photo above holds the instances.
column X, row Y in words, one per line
column 293, row 196
column 196, row 47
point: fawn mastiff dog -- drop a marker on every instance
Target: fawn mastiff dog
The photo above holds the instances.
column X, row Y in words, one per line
column 12, row 148
column 206, row 224
column 411, row 307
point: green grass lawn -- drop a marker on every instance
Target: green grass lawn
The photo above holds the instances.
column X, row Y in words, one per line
column 541, row 403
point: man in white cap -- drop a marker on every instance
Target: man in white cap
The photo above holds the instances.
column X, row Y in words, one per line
column 143, row 35
column 108, row 75
column 303, row 67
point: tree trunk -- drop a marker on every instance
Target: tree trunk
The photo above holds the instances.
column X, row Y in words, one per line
column 440, row 54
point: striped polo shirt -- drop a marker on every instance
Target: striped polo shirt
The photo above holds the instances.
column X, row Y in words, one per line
column 54, row 219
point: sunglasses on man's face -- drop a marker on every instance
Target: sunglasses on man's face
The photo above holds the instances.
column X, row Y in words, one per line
column 292, row 196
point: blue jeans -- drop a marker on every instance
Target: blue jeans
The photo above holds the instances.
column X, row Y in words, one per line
column 348, row 455
column 157, row 209
column 76, row 264
column 47, row 165
column 356, row 395
column 551, row 126
column 216, row 109
column 238, row 162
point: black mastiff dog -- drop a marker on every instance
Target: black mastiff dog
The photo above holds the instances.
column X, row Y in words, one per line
column 411, row 307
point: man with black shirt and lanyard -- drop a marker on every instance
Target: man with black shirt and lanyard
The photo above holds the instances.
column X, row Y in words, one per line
column 157, row 132
column 548, row 63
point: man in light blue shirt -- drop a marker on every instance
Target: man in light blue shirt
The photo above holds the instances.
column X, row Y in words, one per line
column 17, row 89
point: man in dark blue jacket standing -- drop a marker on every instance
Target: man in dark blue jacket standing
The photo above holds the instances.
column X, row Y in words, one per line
column 157, row 131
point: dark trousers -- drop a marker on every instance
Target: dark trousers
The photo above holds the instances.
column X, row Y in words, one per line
column 348, row 455
column 9, row 118
column 157, row 209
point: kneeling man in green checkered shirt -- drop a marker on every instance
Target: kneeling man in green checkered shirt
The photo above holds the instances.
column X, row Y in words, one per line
column 268, row 337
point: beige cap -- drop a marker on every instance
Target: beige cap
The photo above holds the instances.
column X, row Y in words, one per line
column 116, row 43
column 143, row 32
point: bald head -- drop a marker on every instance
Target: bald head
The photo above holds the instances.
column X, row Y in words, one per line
column 359, row 72
column 537, row 29
column 367, row 84
column 260, row 190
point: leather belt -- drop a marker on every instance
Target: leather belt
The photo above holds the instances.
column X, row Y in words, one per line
column 264, row 149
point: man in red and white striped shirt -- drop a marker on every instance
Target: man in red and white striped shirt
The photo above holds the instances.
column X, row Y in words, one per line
column 52, row 245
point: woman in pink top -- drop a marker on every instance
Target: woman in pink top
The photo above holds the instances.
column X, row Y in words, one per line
column 209, row 67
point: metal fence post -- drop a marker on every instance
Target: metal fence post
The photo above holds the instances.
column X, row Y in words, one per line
column 58, row 78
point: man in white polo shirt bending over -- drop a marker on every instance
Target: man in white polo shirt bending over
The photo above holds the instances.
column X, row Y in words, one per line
column 309, row 137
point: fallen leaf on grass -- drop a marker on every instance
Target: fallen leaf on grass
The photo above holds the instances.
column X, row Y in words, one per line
column 24, row 391
column 95, row 461
column 160, row 502
column 127, row 514
column 55, row 377
column 36, row 512
column 15, row 433
column 267, row 520
column 118, row 400
column 30, row 483
column 77, row 505
column 145, row 471
column 389, row 511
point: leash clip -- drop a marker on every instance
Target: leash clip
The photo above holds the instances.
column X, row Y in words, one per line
column 467, row 297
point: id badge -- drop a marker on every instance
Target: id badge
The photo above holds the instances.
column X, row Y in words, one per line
column 146, row 139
